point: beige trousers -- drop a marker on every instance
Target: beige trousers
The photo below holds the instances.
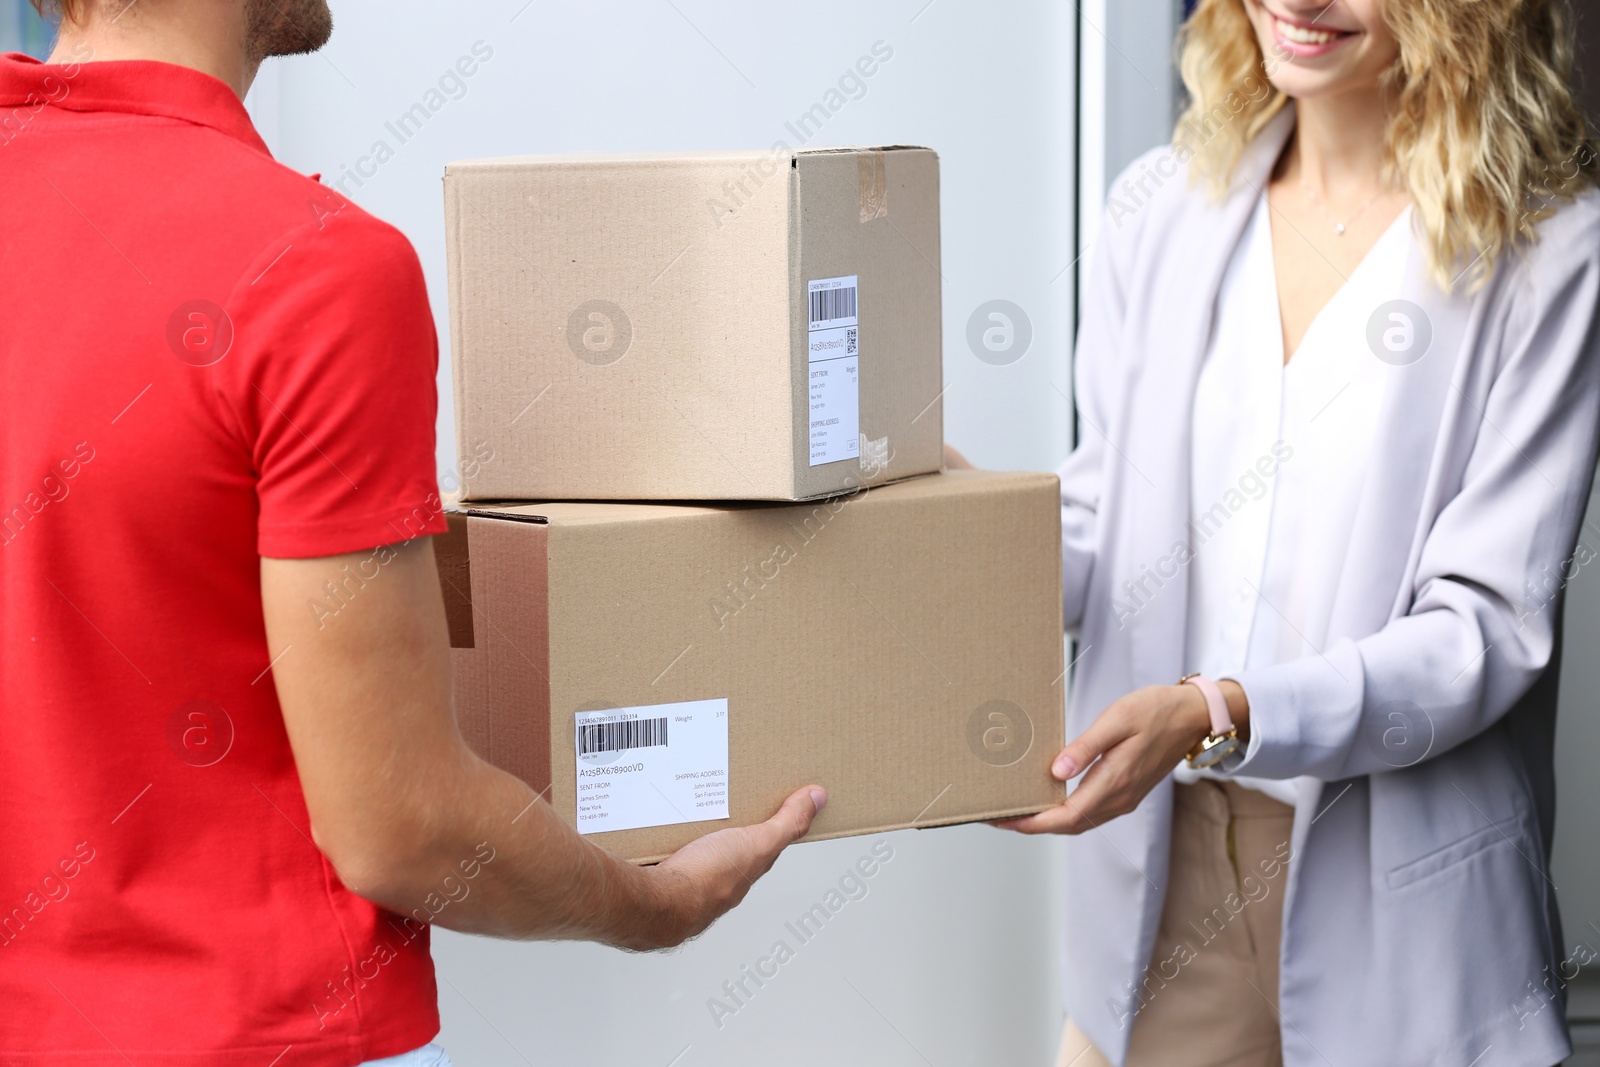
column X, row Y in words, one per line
column 1210, row 994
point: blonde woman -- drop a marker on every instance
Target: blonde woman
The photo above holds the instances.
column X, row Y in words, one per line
column 1339, row 379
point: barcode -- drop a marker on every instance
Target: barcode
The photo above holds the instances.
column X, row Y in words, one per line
column 830, row 304
column 615, row 736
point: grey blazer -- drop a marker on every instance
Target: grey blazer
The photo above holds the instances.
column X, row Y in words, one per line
column 1420, row 923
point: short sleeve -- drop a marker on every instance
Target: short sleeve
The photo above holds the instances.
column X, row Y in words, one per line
column 332, row 372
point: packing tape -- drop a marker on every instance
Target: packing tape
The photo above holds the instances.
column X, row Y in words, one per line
column 872, row 185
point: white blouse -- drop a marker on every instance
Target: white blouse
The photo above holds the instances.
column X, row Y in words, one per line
column 1279, row 455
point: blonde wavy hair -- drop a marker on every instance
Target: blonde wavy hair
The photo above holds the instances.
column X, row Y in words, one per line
column 1485, row 135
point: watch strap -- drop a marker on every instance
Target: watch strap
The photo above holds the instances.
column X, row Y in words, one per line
column 1216, row 703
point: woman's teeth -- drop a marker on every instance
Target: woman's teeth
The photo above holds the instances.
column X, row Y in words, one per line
column 1302, row 35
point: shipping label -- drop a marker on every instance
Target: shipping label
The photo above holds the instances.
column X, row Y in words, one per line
column 653, row 765
column 835, row 388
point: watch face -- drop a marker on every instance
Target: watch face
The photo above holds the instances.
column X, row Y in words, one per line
column 1214, row 750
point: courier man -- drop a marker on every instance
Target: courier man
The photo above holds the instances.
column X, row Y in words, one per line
column 230, row 818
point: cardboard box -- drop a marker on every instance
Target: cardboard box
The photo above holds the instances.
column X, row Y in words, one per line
column 901, row 646
column 699, row 326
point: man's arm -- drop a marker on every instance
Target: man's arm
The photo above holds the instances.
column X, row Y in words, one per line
column 399, row 803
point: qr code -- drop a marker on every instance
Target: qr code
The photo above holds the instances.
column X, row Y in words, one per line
column 850, row 341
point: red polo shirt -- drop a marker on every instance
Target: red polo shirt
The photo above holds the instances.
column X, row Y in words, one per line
column 206, row 358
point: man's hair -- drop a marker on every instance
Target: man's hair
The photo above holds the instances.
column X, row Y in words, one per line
column 275, row 27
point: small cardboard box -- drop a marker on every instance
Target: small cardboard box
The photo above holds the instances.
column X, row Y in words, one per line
column 696, row 326
column 661, row 671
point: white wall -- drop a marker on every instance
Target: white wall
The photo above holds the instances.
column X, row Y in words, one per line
column 1129, row 92
column 950, row 958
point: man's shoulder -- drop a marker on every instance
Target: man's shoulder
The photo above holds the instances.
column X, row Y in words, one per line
column 259, row 206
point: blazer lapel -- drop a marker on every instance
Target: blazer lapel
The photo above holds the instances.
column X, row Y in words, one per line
column 1375, row 585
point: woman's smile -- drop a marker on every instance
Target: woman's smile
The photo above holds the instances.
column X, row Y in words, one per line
column 1301, row 38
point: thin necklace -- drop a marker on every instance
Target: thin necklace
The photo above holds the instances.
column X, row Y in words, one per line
column 1322, row 209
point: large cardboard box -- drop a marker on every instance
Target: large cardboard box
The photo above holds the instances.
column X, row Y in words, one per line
column 698, row 326
column 661, row 671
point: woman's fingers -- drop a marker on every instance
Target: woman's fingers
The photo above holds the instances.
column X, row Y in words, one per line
column 1057, row 820
column 954, row 460
column 1086, row 807
column 1116, row 758
column 1109, row 727
column 1091, row 803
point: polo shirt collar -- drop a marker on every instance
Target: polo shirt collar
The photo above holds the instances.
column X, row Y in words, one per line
column 130, row 86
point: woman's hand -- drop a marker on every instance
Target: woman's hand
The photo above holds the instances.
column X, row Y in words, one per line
column 1135, row 743
column 955, row 461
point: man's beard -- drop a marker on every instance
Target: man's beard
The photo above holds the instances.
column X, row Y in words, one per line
column 287, row 27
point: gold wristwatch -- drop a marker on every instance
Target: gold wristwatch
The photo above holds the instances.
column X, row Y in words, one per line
column 1223, row 740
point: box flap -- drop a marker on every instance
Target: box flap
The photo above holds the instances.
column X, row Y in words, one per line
column 601, row 159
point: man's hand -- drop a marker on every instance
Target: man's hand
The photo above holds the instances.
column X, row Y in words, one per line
column 401, row 807
column 1134, row 743
column 709, row 876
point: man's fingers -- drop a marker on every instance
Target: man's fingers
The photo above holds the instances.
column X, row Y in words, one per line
column 788, row 824
column 712, row 874
column 793, row 818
